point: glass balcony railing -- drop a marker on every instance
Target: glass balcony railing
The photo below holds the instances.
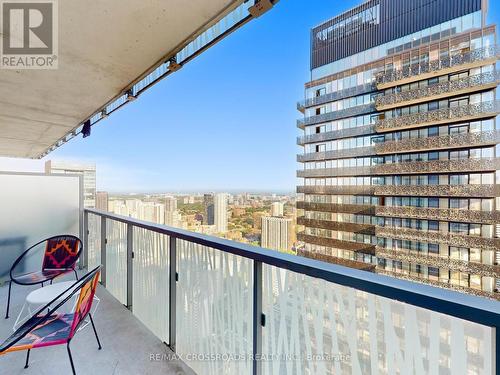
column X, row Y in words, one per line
column 457, row 87
column 439, row 116
column 432, row 166
column 336, row 95
column 230, row 308
column 459, row 61
column 335, row 115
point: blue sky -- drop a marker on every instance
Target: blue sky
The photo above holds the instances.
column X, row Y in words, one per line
column 225, row 121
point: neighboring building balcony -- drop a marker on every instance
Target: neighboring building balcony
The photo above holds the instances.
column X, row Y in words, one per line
column 337, row 154
column 489, row 270
column 334, row 172
column 444, row 214
column 439, row 116
column 336, row 95
column 335, row 225
column 440, row 284
column 336, row 134
column 338, row 244
column 471, row 191
column 347, row 189
column 336, row 260
column 452, row 239
column 335, row 115
column 437, row 166
column 337, row 207
column 433, row 166
column 476, row 139
column 437, row 91
column 416, row 72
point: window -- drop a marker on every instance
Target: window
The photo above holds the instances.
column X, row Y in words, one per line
column 433, row 248
column 433, row 202
column 433, row 225
column 433, row 131
column 434, row 272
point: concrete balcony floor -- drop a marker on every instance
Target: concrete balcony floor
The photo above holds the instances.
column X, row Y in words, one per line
column 127, row 344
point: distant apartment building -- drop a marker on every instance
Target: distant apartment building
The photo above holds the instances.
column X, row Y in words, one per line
column 276, row 233
column 172, row 215
column 88, row 171
column 152, row 211
column 277, row 209
column 102, row 200
column 208, row 206
column 400, row 136
column 220, row 212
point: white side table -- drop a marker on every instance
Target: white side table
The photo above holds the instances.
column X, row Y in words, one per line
column 43, row 296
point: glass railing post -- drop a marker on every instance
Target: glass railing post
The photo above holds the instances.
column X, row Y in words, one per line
column 103, row 250
column 85, row 259
column 257, row 318
column 130, row 265
column 172, row 293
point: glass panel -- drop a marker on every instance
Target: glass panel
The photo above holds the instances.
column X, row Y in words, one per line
column 151, row 281
column 317, row 327
column 214, row 310
column 116, row 259
column 94, row 241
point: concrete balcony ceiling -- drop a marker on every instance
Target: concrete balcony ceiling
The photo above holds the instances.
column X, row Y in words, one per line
column 103, row 49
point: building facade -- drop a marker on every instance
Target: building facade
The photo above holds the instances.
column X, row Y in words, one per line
column 88, row 171
column 276, row 233
column 208, row 206
column 277, row 209
column 102, row 200
column 401, row 158
column 220, row 212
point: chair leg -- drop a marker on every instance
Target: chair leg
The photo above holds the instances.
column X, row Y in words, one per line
column 8, row 300
column 95, row 331
column 51, row 281
column 76, row 275
column 71, row 359
column 27, row 359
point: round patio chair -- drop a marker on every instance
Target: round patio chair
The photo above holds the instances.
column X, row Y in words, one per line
column 60, row 255
column 49, row 327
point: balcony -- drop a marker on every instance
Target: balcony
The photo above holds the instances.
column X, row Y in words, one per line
column 441, row 262
column 336, row 134
column 335, row 115
column 477, row 139
column 439, row 90
column 336, row 260
column 337, row 154
column 439, row 116
column 452, row 239
column 168, row 291
column 338, row 189
column 437, row 166
column 466, row 60
column 415, row 167
column 334, row 172
column 471, row 191
column 337, row 207
column 405, row 275
column 356, row 247
column 336, row 95
column 335, row 225
column 444, row 214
